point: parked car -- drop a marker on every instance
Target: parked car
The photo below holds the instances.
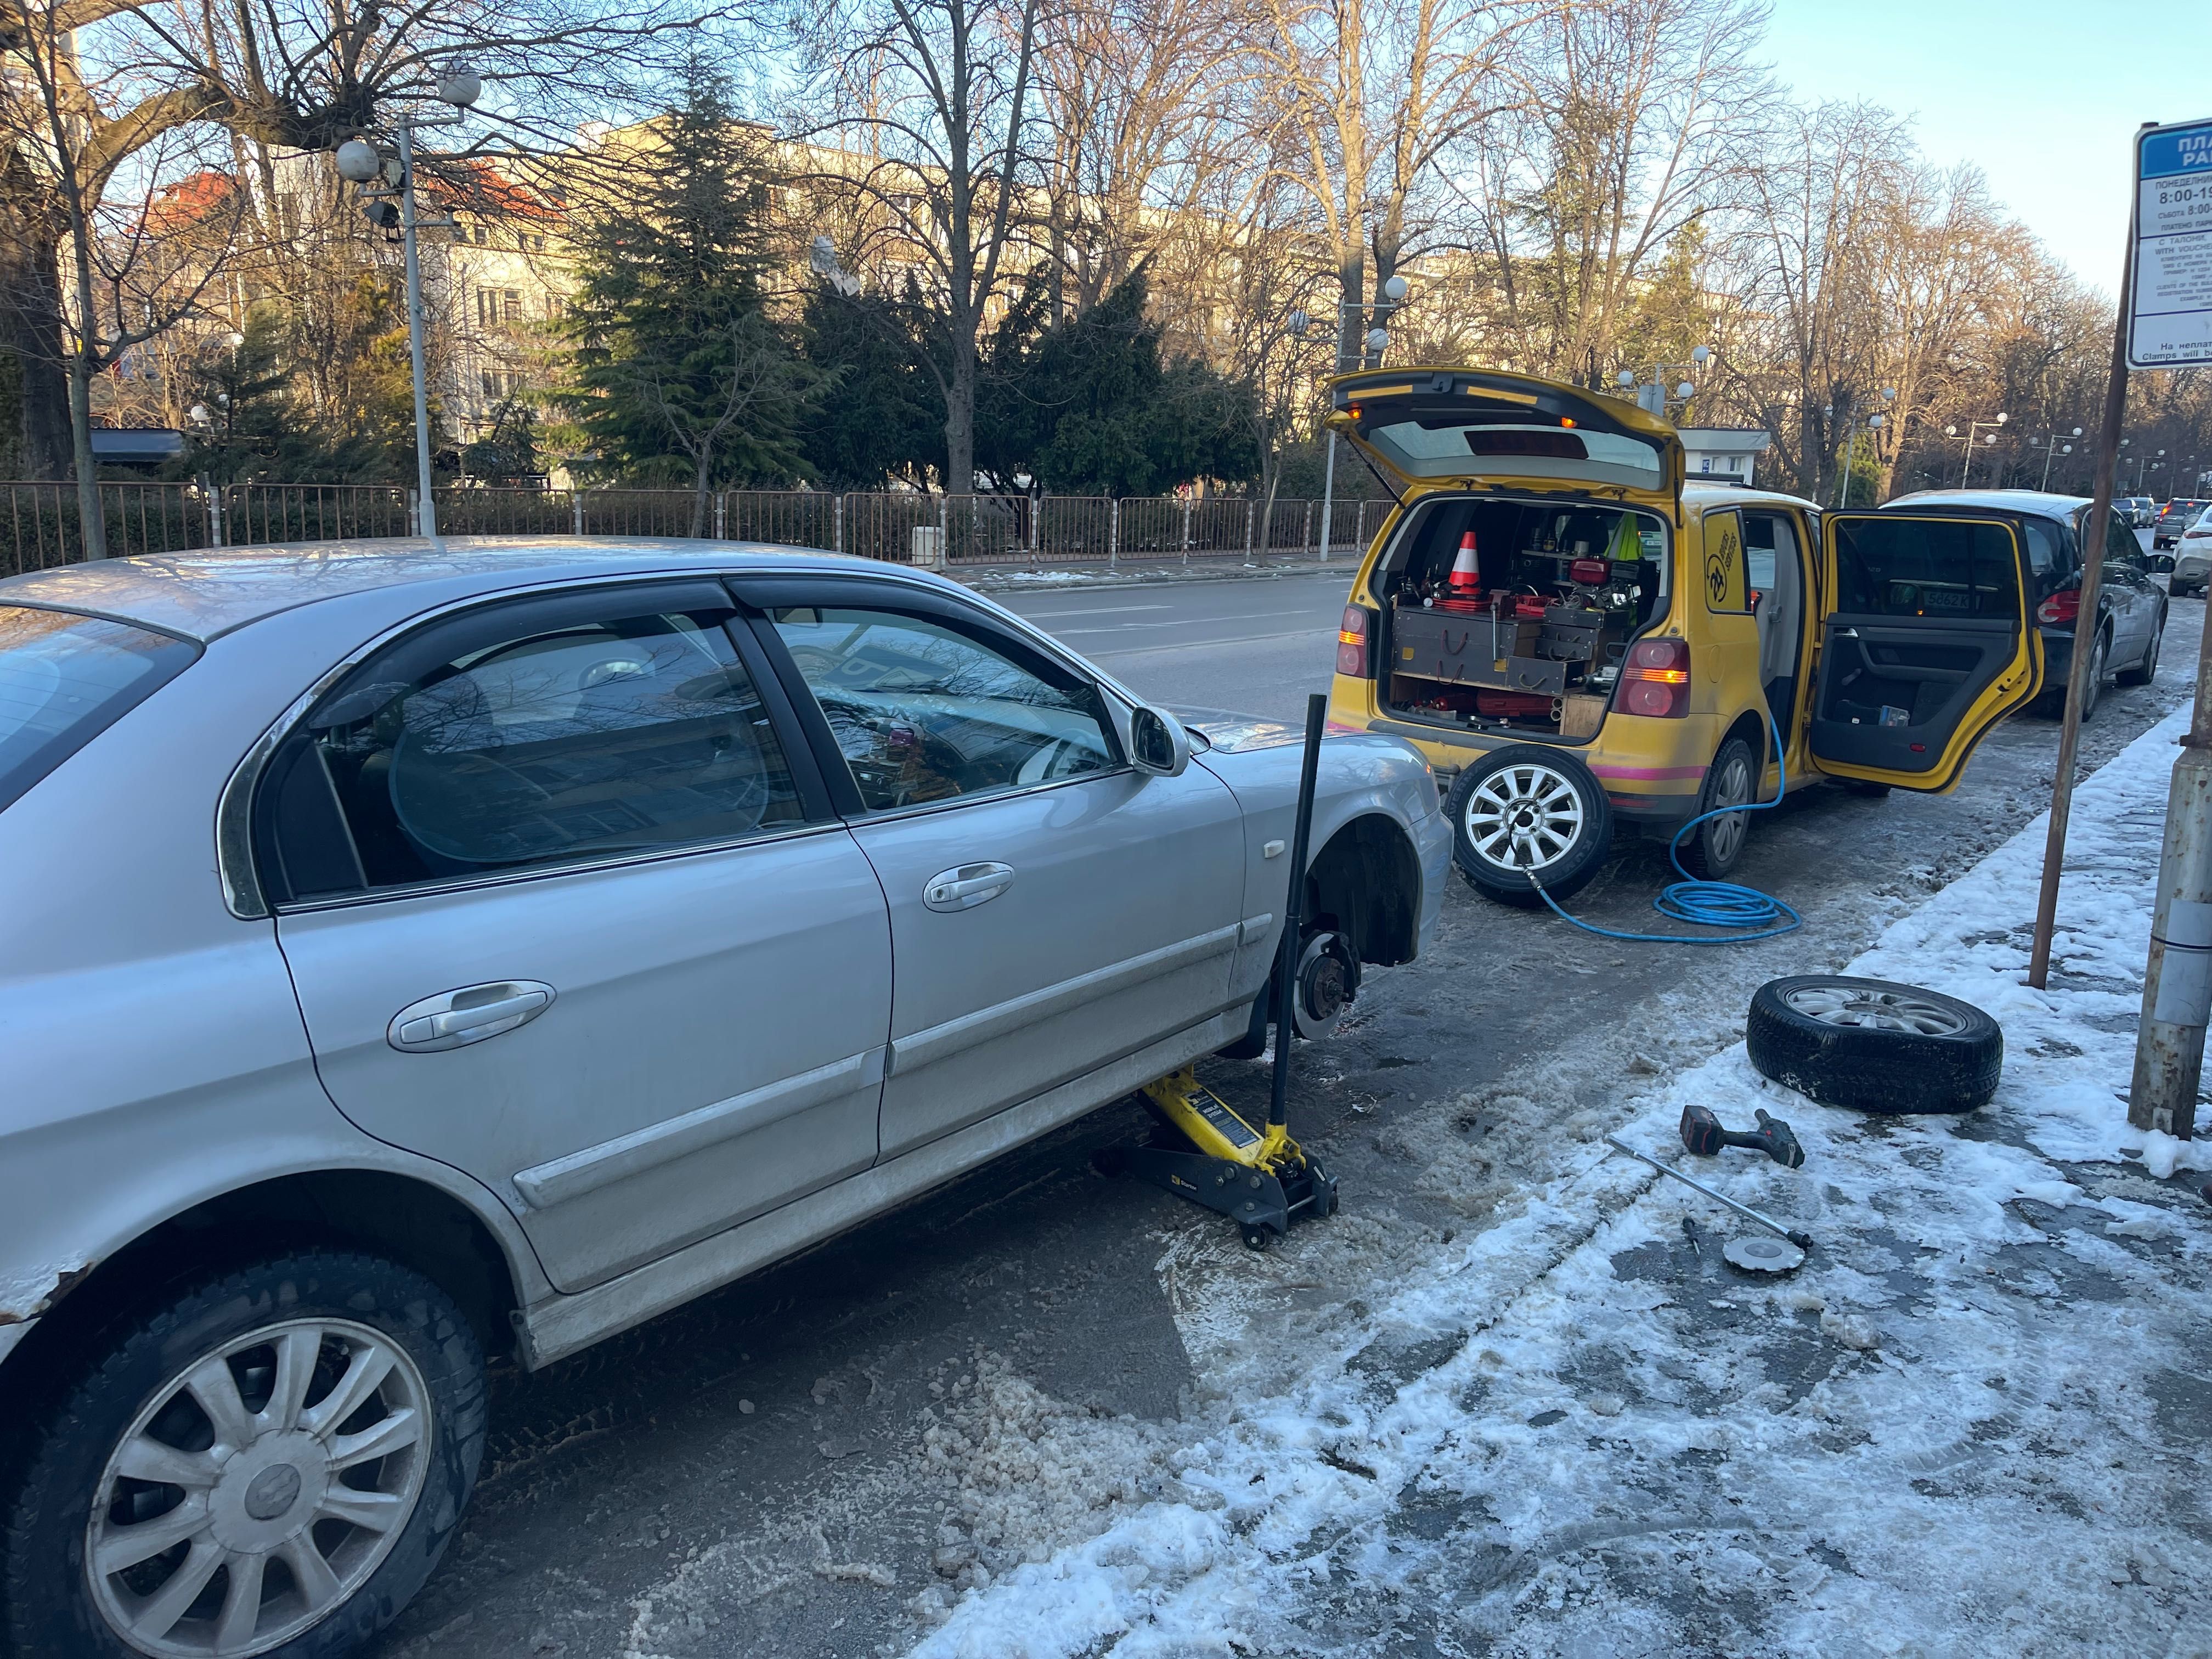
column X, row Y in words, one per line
column 2138, row 512
column 2131, row 606
column 2175, row 516
column 2192, row 558
column 418, row 956
column 1574, row 637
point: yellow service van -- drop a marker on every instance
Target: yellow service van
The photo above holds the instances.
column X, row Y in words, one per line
column 1571, row 635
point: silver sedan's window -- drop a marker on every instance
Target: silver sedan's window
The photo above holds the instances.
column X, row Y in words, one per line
column 922, row 711
column 64, row 679
column 625, row 735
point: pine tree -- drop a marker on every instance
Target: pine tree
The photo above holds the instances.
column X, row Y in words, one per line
column 679, row 373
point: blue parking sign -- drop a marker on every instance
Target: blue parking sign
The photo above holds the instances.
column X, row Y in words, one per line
column 2170, row 310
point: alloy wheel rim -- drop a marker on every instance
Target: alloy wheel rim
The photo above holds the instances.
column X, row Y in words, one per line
column 1524, row 818
column 1725, row 836
column 258, row 1489
column 1876, row 1011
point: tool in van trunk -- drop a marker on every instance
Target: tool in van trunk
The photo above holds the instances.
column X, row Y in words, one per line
column 1258, row 1178
column 1803, row 1241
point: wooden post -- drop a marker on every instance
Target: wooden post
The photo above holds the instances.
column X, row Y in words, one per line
column 2085, row 623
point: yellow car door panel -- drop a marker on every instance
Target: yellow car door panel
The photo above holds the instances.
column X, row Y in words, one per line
column 1926, row 643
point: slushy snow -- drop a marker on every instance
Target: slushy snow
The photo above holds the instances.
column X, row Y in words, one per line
column 1976, row 1421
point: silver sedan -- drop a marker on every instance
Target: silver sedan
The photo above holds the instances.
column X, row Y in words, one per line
column 414, row 955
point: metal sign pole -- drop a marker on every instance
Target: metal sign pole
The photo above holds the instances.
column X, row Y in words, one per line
column 2171, row 326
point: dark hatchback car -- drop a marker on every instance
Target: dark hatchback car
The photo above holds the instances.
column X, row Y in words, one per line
column 2131, row 607
column 2175, row 517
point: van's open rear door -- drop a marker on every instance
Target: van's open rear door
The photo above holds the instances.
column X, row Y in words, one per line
column 1926, row 643
column 1468, row 427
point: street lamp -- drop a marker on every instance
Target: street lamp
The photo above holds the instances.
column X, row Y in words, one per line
column 1651, row 395
column 359, row 160
column 2050, row 444
column 1973, row 427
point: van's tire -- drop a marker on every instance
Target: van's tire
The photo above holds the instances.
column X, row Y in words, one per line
column 1715, row 847
column 1527, row 807
column 1874, row 1046
column 415, row 1436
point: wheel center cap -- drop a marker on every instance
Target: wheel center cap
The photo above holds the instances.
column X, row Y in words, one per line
column 273, row 1491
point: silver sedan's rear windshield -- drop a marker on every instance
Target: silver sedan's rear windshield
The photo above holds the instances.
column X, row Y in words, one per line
column 65, row 679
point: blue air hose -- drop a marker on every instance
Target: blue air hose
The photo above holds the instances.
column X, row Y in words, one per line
column 1725, row 904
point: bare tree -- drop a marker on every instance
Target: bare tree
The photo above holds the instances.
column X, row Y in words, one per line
column 933, row 111
column 1364, row 98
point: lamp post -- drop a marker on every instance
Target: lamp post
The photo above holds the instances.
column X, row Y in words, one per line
column 2050, row 446
column 1651, row 395
column 359, row 160
column 1376, row 340
column 1967, row 463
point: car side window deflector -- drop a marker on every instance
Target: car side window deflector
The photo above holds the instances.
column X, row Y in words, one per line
column 528, row 735
column 922, row 711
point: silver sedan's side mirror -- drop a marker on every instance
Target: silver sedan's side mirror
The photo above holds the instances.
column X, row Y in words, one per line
column 1157, row 742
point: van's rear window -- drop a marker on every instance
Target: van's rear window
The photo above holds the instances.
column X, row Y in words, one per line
column 65, row 678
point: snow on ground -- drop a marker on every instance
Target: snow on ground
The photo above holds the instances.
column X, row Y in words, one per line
column 1977, row 1421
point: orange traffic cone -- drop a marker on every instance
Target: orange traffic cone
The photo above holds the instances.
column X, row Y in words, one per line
column 1465, row 579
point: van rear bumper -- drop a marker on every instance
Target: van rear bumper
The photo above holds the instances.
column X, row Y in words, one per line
column 1648, row 795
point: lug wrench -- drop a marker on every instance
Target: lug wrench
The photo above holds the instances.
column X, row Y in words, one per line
column 1803, row 1241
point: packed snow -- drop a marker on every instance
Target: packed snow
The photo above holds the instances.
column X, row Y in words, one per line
column 1976, row 1420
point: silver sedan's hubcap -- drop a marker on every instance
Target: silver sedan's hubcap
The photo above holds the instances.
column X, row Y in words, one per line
column 1725, row 836
column 258, row 1489
column 1524, row 818
column 1880, row 1010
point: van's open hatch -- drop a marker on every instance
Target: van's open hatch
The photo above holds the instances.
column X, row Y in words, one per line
column 1467, row 426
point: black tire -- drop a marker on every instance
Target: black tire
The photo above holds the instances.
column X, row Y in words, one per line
column 1930, row 1054
column 2146, row 671
column 1571, row 841
column 2094, row 692
column 332, row 1310
column 1715, row 847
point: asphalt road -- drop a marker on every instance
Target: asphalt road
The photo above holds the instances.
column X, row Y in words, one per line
column 808, row 1461
column 1254, row 646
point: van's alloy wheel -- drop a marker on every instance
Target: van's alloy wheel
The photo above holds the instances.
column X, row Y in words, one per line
column 1524, row 811
column 270, row 1465
column 1874, row 1045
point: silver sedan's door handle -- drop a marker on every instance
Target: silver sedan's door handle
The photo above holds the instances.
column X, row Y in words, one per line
column 471, row 1014
column 967, row 886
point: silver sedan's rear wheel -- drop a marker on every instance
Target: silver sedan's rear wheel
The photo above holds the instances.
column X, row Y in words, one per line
column 258, row 1490
column 270, row 1465
column 1523, row 812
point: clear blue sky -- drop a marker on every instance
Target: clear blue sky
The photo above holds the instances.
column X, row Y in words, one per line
column 2042, row 96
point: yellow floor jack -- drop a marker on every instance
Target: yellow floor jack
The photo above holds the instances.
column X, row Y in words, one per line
column 1260, row 1178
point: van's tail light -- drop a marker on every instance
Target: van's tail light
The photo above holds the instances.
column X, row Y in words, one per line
column 1355, row 640
column 1656, row 679
column 2061, row 607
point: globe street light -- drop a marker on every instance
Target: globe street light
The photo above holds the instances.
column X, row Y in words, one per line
column 361, row 161
column 2049, row 444
column 1374, row 342
column 1973, row 427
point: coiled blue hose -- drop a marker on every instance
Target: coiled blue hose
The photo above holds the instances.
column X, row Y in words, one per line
column 1725, row 904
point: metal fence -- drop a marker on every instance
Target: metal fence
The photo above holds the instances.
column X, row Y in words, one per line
column 899, row 527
